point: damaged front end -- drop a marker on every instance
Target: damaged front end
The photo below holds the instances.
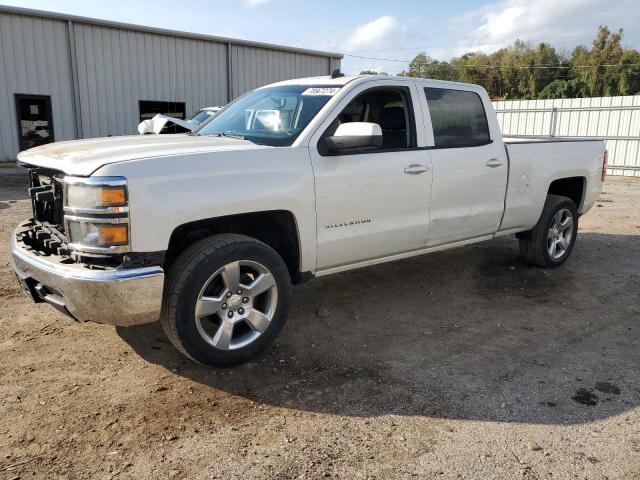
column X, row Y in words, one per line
column 77, row 258
column 46, row 233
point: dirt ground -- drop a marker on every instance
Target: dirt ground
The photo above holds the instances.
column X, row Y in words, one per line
column 462, row 364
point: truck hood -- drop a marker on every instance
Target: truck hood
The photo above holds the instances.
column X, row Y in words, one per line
column 83, row 157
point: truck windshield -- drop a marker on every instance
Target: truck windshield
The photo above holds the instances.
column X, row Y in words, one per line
column 270, row 116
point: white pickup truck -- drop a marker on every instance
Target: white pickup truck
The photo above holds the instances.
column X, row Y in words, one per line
column 207, row 231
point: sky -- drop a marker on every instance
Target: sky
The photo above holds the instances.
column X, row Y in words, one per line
column 388, row 33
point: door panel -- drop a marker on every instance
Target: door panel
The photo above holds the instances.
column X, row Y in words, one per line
column 469, row 169
column 468, row 195
column 367, row 206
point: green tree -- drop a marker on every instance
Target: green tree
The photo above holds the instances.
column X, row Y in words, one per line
column 602, row 76
column 549, row 66
column 424, row 66
column 629, row 82
column 472, row 68
column 559, row 88
column 525, row 72
column 578, row 65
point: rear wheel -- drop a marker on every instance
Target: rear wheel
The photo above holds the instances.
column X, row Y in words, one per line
column 551, row 241
column 226, row 299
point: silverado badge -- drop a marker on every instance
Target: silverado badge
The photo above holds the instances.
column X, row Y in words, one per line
column 348, row 223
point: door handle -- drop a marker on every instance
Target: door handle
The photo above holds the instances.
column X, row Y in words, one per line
column 494, row 162
column 416, row 169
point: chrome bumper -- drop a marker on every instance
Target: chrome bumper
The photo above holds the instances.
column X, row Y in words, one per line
column 117, row 297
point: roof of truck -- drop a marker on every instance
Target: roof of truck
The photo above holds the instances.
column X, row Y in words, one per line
column 327, row 80
column 322, row 80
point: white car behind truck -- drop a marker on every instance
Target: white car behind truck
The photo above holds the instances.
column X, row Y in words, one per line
column 163, row 124
column 207, row 231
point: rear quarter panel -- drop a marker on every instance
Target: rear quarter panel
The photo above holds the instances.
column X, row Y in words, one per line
column 166, row 192
column 532, row 168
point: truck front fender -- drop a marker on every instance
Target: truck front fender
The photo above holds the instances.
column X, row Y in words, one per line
column 167, row 192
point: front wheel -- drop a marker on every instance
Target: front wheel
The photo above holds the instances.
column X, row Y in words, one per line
column 226, row 299
column 551, row 241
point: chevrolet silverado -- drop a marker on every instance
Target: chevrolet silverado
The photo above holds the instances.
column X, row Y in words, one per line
column 207, row 231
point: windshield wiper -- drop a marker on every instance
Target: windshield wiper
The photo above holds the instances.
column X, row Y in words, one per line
column 233, row 135
column 218, row 134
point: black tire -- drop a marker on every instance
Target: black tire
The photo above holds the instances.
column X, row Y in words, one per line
column 187, row 277
column 534, row 243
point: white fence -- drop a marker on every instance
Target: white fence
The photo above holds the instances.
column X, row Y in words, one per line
column 613, row 119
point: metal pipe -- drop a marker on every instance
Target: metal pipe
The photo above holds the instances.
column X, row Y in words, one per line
column 624, row 167
column 577, row 137
column 566, row 109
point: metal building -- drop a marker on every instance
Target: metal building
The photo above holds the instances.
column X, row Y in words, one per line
column 64, row 77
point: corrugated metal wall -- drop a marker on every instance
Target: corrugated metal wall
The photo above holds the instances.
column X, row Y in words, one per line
column 34, row 59
column 614, row 119
column 118, row 68
column 96, row 72
column 252, row 67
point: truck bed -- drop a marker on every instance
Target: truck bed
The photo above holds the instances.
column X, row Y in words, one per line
column 535, row 163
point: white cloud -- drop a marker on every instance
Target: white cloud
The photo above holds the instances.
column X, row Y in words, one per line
column 563, row 22
column 384, row 32
column 254, row 3
column 501, row 23
column 379, row 33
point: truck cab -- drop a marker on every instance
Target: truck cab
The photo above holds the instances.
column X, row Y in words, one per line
column 448, row 137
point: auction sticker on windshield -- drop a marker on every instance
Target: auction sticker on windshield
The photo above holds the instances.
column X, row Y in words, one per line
column 321, row 91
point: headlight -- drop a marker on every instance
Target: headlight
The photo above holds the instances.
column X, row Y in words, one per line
column 96, row 192
column 97, row 214
column 92, row 196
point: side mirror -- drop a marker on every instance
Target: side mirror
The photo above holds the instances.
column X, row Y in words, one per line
column 354, row 135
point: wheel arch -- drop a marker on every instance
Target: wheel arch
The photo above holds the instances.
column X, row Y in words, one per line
column 276, row 228
column 570, row 187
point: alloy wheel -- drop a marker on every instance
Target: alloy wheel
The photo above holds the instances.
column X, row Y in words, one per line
column 236, row 305
column 560, row 234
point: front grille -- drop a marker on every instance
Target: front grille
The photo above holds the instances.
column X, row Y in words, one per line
column 45, row 189
column 46, row 233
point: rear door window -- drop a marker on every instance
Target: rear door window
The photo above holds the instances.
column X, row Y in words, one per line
column 458, row 118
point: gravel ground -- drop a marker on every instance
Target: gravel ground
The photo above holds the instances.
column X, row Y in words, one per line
column 461, row 364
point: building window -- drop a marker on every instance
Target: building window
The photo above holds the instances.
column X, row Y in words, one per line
column 35, row 124
column 150, row 108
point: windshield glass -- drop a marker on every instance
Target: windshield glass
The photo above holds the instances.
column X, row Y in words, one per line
column 271, row 116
